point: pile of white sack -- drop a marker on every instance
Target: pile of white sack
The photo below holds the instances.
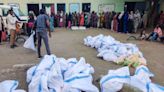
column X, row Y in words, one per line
column 10, row 86
column 110, row 49
column 115, row 79
column 54, row 74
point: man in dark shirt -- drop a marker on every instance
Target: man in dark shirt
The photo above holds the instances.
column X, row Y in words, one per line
column 42, row 26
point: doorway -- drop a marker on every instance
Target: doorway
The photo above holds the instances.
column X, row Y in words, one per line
column 86, row 7
column 61, row 7
column 132, row 6
column 49, row 8
column 34, row 8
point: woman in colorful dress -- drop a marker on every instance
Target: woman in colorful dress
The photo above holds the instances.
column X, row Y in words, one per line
column 82, row 19
column 61, row 19
column 52, row 22
column 115, row 23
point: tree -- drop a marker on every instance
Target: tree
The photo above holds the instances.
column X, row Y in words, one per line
column 153, row 12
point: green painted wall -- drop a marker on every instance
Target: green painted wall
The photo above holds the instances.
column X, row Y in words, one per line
column 119, row 4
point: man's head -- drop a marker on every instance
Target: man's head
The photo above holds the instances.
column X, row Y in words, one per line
column 42, row 11
column 11, row 11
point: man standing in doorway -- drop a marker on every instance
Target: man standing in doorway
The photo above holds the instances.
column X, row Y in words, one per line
column 42, row 26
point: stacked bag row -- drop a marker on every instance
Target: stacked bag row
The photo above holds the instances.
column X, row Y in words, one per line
column 115, row 79
column 54, row 74
column 112, row 50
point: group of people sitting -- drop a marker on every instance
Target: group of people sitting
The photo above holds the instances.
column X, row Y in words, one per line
column 155, row 35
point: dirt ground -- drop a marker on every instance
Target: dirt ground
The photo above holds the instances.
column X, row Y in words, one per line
column 67, row 43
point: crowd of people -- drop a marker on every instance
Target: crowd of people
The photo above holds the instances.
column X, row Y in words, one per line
column 124, row 22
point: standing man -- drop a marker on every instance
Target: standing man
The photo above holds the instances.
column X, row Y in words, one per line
column 42, row 26
column 11, row 26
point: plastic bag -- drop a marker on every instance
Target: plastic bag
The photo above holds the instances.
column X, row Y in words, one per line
column 30, row 42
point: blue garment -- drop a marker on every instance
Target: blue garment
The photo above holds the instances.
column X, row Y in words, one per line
column 154, row 36
column 52, row 23
column 125, row 22
column 41, row 22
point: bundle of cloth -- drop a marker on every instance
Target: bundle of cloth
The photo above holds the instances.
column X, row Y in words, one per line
column 115, row 79
column 54, row 74
column 10, row 86
column 112, row 50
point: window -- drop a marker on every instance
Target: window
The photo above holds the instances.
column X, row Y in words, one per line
column 74, row 7
column 86, row 7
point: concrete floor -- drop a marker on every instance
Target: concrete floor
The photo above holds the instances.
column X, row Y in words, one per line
column 67, row 43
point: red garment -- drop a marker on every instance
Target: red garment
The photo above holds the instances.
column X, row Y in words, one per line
column 82, row 20
column 69, row 24
column 61, row 24
column 30, row 24
column 115, row 23
column 4, row 36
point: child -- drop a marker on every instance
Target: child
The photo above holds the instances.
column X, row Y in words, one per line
column 143, row 35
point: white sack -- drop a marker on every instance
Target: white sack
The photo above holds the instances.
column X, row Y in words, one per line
column 60, row 75
column 82, row 28
column 29, row 44
column 115, row 79
column 110, row 49
column 9, row 86
column 141, row 79
column 110, row 57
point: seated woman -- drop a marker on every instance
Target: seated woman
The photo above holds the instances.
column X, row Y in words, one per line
column 157, row 33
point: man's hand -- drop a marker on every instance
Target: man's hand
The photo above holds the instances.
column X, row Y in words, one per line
column 50, row 34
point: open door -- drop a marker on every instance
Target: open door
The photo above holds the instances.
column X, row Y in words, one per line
column 132, row 6
column 34, row 8
column 49, row 8
column 61, row 7
column 86, row 7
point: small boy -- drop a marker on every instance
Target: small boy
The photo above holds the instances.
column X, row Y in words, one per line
column 143, row 34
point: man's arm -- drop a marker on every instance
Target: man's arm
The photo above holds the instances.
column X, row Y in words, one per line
column 48, row 25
